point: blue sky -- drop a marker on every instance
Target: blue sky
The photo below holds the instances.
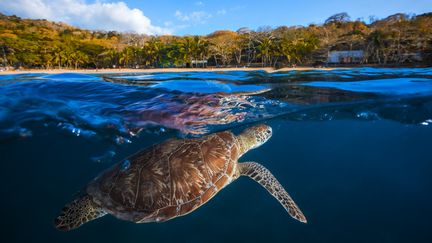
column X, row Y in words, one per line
column 202, row 17
column 253, row 13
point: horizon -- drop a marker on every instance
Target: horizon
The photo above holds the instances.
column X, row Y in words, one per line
column 200, row 17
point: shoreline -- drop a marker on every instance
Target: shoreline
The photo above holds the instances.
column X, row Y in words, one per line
column 161, row 70
column 182, row 70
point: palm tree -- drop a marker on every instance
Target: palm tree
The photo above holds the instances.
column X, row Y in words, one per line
column 47, row 59
column 287, row 49
column 78, row 58
column 152, row 52
column 126, row 56
column 200, row 48
column 265, row 49
column 186, row 49
column 111, row 57
column 58, row 57
column 174, row 54
column 68, row 58
column 295, row 47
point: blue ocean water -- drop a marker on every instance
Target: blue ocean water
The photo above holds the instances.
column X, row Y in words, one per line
column 351, row 146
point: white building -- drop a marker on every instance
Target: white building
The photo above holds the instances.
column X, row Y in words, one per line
column 202, row 63
column 345, row 56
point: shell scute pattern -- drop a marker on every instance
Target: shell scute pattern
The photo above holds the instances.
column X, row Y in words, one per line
column 144, row 186
column 209, row 194
column 153, row 188
column 189, row 206
column 187, row 177
column 216, row 152
column 169, row 179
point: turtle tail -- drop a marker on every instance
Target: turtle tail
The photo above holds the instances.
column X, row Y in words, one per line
column 78, row 212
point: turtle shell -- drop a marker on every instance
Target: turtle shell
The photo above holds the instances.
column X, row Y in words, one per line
column 167, row 180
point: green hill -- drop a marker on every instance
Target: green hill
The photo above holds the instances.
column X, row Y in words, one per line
column 396, row 39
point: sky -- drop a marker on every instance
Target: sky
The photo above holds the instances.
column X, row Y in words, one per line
column 183, row 17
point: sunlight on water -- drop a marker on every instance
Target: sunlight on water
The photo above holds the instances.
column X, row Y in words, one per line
column 394, row 86
column 206, row 86
column 68, row 76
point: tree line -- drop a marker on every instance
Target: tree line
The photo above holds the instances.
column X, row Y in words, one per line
column 397, row 39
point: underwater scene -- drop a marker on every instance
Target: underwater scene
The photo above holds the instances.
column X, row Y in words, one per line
column 352, row 147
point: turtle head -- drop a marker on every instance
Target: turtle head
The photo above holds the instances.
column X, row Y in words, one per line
column 254, row 137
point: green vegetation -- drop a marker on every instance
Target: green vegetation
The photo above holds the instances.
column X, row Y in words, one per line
column 396, row 39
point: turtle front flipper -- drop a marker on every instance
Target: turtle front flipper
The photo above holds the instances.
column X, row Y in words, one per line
column 266, row 179
column 78, row 212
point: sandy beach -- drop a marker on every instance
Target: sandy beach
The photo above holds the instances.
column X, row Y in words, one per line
column 157, row 70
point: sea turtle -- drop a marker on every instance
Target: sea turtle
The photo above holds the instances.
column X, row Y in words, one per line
column 174, row 178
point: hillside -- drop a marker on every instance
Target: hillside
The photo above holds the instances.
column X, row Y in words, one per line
column 397, row 39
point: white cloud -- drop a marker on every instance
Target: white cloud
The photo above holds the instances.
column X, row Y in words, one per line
column 98, row 15
column 199, row 3
column 197, row 17
column 221, row 12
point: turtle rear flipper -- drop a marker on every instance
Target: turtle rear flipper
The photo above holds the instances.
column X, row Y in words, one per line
column 78, row 212
column 265, row 178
